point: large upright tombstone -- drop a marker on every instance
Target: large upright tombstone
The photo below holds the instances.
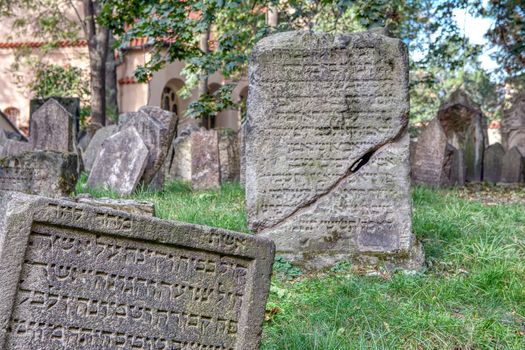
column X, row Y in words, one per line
column 513, row 124
column 71, row 104
column 205, row 168
column 120, row 163
column 84, row 277
column 493, row 163
column 465, row 127
column 432, row 160
column 327, row 148
column 93, row 149
column 46, row 173
column 52, row 128
column 513, row 167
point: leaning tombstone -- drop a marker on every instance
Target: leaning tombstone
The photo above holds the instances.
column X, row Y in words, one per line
column 205, row 169
column 229, row 155
column 157, row 128
column 327, row 149
column 84, row 277
column 512, row 168
column 46, row 173
column 465, row 127
column 71, row 104
column 52, row 128
column 431, row 165
column 493, row 162
column 95, row 144
column 120, row 163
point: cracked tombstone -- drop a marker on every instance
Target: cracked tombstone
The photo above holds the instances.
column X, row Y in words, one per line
column 52, row 128
column 205, row 169
column 432, row 160
column 46, row 173
column 512, row 168
column 120, row 163
column 78, row 276
column 513, row 124
column 327, row 149
column 465, row 127
column 492, row 163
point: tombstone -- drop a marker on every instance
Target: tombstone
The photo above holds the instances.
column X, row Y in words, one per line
column 120, row 163
column 205, row 169
column 432, row 163
column 180, row 157
column 46, row 173
column 492, row 163
column 513, row 124
column 71, row 104
column 52, row 128
column 83, row 277
column 242, row 133
column 327, row 149
column 464, row 125
column 229, row 155
column 157, row 131
column 512, row 168
column 457, row 167
column 134, row 207
column 93, row 149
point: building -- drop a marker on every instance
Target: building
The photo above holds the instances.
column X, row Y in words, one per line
column 161, row 90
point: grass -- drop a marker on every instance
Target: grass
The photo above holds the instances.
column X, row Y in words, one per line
column 471, row 295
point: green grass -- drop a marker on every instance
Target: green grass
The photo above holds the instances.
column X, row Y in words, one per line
column 471, row 295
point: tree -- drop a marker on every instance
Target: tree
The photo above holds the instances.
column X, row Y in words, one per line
column 51, row 24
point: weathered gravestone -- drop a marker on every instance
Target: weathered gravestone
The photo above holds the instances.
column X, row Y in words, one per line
column 457, row 167
column 493, row 162
column 432, row 160
column 83, row 277
column 157, row 128
column 464, row 125
column 180, row 160
column 93, row 149
column 229, row 155
column 327, row 148
column 45, row 173
column 513, row 124
column 52, row 128
column 9, row 147
column 205, row 170
column 242, row 133
column 120, row 162
column 512, row 169
column 71, row 104
column 128, row 205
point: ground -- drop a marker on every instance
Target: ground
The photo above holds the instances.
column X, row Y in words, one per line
column 471, row 294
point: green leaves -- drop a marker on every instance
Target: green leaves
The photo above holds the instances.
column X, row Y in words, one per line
column 54, row 80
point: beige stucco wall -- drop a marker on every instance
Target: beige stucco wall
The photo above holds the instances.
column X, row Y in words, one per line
column 14, row 84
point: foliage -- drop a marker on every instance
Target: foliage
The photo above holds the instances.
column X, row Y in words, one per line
column 54, row 80
column 470, row 296
column 507, row 34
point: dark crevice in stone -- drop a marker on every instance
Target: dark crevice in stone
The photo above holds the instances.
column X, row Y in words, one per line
column 358, row 164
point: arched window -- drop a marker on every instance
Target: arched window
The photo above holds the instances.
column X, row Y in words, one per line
column 169, row 99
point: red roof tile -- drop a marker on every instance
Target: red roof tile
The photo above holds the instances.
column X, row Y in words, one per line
column 37, row 44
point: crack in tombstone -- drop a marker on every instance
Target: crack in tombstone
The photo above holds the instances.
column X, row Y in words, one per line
column 353, row 169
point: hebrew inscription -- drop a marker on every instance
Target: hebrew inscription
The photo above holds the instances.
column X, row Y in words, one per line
column 320, row 108
column 84, row 289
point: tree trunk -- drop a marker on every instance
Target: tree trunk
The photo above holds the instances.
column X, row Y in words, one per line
column 111, row 82
column 203, row 79
column 97, row 38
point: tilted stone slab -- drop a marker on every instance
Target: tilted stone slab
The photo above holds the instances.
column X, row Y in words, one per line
column 45, row 173
column 205, row 169
column 52, row 128
column 327, row 150
column 493, row 163
column 93, row 149
column 121, row 162
column 81, row 277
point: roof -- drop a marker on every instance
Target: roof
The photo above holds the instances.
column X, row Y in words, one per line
column 38, row 44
